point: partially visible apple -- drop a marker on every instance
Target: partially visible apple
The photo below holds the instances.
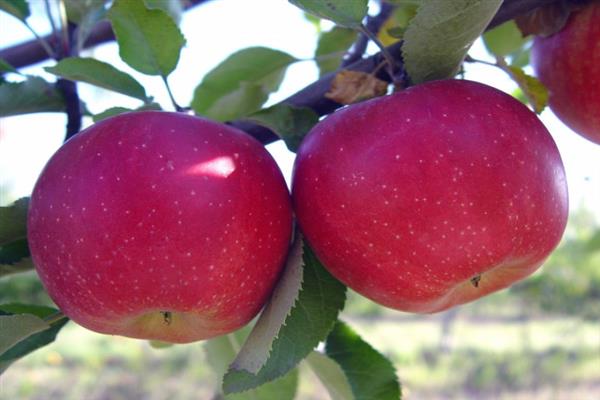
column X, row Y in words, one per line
column 431, row 197
column 161, row 226
column 568, row 64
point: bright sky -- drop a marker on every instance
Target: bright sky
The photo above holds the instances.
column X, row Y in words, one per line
column 213, row 31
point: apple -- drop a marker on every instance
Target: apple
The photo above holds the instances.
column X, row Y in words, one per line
column 161, row 226
column 568, row 64
column 431, row 197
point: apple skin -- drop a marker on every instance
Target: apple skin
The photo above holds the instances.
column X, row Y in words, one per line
column 431, row 197
column 161, row 226
column 568, row 64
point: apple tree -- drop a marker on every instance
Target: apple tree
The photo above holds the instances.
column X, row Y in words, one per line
column 173, row 223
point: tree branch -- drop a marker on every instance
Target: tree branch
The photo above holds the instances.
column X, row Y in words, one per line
column 32, row 52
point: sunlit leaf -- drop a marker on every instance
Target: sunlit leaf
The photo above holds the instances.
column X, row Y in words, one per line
column 331, row 48
column 240, row 84
column 98, row 73
column 438, row 37
column 348, row 13
column 149, row 40
column 504, row 39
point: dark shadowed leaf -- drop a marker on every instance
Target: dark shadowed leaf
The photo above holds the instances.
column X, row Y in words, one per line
column 149, row 40
column 29, row 96
column 111, row 112
column 371, row 375
column 15, row 257
column 98, row 73
column 16, row 8
column 348, row 13
column 331, row 376
column 33, row 341
column 288, row 122
column 438, row 37
column 332, row 46
column 241, row 83
column 6, row 67
column 308, row 322
column 13, row 221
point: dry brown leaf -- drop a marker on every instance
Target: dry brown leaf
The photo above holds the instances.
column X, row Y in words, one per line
column 544, row 21
column 353, row 86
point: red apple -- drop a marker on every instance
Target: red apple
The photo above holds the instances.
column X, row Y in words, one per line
column 161, row 226
column 568, row 63
column 431, row 197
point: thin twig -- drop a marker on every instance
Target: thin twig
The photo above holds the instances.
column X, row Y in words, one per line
column 41, row 42
column 386, row 53
column 51, row 19
column 178, row 108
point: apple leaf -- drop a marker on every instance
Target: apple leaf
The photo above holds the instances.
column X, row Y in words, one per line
column 6, row 67
column 173, row 8
column 288, row 122
column 438, row 37
column 16, row 8
column 15, row 257
column 98, row 73
column 315, row 309
column 221, row 351
column 13, row 221
column 504, row 39
column 534, row 91
column 347, row 13
column 86, row 14
column 332, row 46
column 395, row 26
column 29, row 96
column 331, row 376
column 17, row 318
column 371, row 375
column 241, row 84
column 111, row 112
column 149, row 40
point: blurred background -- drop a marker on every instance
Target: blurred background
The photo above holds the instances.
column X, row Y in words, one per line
column 538, row 340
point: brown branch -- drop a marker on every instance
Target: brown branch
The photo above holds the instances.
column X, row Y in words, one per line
column 30, row 53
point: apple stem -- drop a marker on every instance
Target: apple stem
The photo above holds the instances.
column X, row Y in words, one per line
column 475, row 281
column 167, row 317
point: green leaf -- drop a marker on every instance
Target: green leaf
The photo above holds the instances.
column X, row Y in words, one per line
column 534, row 90
column 316, row 305
column 332, row 46
column 288, row 122
column 111, row 112
column 13, row 221
column 15, row 328
column 593, row 243
column 221, row 351
column 438, row 37
column 98, row 73
column 34, row 341
column 371, row 375
column 29, row 96
column 241, row 84
column 331, row 376
column 78, row 9
column 173, row 8
column 149, row 40
column 6, row 67
column 86, row 14
column 15, row 257
column 157, row 344
column 504, row 39
column 16, row 8
column 347, row 13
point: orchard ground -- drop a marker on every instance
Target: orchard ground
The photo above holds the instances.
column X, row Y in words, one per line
column 491, row 351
